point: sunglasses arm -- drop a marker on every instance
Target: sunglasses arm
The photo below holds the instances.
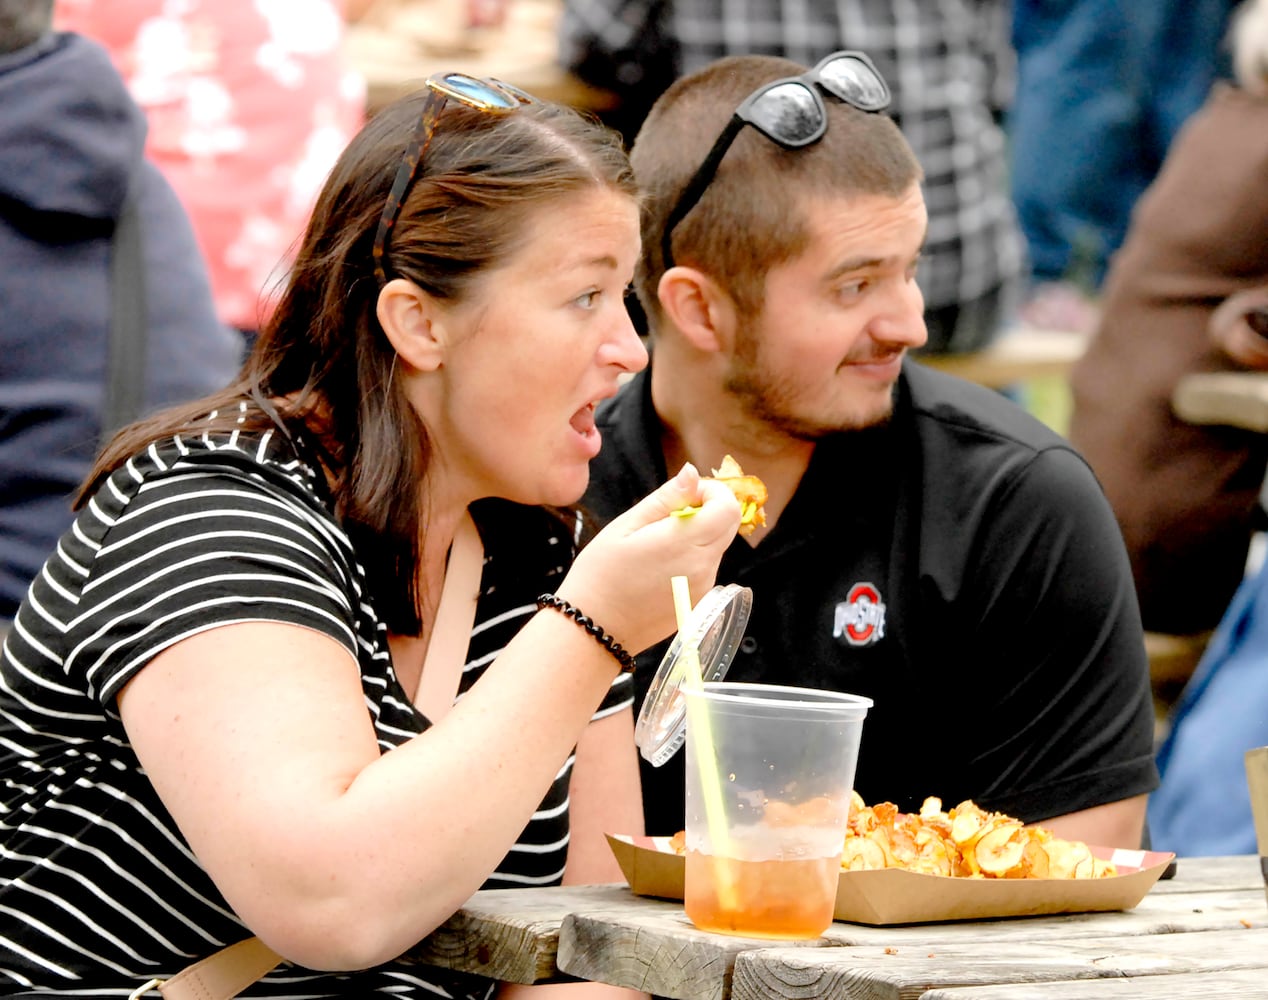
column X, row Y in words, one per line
column 696, row 187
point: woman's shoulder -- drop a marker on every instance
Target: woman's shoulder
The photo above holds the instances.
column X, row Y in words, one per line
column 264, row 459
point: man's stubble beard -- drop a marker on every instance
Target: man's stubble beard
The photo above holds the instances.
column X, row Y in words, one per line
column 772, row 404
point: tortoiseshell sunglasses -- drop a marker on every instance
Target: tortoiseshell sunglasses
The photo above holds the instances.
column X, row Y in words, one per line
column 489, row 95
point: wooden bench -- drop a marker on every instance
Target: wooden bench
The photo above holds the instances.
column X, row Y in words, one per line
column 1018, row 355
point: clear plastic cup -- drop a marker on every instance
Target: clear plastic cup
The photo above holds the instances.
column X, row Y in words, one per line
column 769, row 775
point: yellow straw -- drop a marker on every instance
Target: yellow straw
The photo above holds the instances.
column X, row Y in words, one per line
column 701, row 736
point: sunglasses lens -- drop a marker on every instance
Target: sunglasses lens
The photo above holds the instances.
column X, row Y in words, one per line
column 789, row 113
column 855, row 83
column 477, row 93
column 523, row 96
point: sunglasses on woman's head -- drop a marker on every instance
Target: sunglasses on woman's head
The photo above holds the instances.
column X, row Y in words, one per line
column 790, row 113
column 492, row 96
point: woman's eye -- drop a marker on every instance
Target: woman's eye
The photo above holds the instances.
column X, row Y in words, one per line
column 588, row 299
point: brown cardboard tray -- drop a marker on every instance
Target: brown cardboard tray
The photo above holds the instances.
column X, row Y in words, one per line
column 896, row 896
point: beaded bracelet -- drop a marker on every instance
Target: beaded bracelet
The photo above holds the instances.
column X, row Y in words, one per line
column 622, row 655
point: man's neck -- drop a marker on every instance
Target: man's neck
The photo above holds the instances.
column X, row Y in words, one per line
column 701, row 426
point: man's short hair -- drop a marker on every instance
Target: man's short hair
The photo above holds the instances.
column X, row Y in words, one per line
column 24, row 22
column 752, row 216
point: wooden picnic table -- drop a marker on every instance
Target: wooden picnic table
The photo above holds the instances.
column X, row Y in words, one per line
column 1202, row 934
column 1017, row 355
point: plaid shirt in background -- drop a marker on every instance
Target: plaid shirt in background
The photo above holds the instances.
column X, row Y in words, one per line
column 949, row 65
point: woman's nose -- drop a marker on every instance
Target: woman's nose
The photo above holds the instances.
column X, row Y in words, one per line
column 625, row 348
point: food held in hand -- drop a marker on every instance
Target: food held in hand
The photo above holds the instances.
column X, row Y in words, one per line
column 749, row 490
column 966, row 841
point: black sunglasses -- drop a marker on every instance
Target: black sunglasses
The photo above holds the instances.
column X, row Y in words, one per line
column 492, row 96
column 789, row 112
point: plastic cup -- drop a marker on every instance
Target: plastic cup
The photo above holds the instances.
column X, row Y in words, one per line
column 765, row 862
column 1257, row 780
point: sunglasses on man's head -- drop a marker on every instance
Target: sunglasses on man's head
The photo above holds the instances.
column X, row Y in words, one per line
column 492, row 96
column 789, row 112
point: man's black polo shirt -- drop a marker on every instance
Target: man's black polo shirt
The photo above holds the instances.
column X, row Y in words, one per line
column 960, row 566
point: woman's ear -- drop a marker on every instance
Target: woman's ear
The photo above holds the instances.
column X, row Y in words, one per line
column 411, row 320
column 697, row 307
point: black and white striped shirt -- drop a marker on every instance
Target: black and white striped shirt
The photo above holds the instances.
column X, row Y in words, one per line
column 98, row 890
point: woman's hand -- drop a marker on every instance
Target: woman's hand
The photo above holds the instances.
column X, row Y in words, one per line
column 621, row 579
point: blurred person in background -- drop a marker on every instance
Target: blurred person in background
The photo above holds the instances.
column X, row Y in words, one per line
column 1185, row 496
column 1190, row 293
column 1102, row 91
column 949, row 65
column 249, row 103
column 71, row 159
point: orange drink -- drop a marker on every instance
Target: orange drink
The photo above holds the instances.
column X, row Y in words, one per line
column 786, row 900
column 769, row 773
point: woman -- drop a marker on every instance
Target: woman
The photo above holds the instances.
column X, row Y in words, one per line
column 209, row 722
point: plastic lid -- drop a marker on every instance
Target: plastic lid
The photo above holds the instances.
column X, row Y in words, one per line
column 714, row 628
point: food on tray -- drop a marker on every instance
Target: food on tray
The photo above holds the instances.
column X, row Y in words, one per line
column 749, row 490
column 966, row 841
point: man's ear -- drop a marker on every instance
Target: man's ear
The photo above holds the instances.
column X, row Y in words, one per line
column 696, row 305
column 412, row 322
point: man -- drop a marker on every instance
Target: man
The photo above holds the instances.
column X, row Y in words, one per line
column 71, row 143
column 928, row 544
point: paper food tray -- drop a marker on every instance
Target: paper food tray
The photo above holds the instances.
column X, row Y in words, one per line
column 897, row 896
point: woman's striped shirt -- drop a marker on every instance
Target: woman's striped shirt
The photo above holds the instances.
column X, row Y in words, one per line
column 98, row 890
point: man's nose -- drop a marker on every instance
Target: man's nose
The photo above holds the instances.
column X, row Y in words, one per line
column 901, row 321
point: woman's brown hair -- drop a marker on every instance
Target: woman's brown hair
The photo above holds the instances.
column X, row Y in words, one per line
column 323, row 357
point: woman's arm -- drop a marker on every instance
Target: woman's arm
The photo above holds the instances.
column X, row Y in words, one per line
column 258, row 740
column 605, row 798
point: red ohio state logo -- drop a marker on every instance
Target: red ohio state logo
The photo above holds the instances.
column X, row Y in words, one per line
column 860, row 620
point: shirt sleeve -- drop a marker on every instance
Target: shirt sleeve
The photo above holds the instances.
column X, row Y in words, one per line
column 196, row 549
column 1059, row 647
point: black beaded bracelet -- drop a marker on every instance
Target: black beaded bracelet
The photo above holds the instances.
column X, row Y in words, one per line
column 622, row 655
